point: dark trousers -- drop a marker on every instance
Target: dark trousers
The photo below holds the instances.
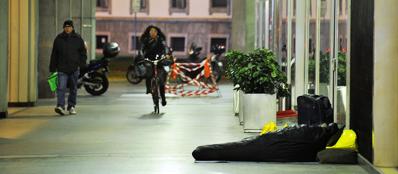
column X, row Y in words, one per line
column 66, row 80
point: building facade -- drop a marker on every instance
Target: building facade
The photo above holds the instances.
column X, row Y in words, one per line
column 205, row 23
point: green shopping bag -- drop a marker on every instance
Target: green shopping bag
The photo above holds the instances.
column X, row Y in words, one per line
column 53, row 81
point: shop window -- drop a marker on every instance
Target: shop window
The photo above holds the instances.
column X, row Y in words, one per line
column 135, row 43
column 101, row 41
column 178, row 44
column 218, row 41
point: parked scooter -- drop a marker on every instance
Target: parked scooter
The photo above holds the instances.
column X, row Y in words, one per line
column 136, row 71
column 94, row 76
column 193, row 54
column 216, row 64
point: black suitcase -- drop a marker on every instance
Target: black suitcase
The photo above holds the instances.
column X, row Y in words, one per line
column 314, row 109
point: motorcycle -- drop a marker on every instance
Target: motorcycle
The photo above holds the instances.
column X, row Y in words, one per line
column 136, row 71
column 94, row 76
column 216, row 64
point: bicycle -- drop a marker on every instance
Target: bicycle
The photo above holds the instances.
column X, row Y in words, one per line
column 155, row 81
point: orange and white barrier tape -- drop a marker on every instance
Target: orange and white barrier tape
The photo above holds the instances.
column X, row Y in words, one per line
column 204, row 88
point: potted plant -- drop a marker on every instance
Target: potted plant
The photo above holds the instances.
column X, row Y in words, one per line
column 259, row 77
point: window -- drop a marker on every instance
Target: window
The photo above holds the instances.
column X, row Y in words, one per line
column 178, row 44
column 294, row 8
column 219, row 3
column 215, row 41
column 139, row 6
column 179, row 6
column 219, row 6
column 135, row 43
column 324, row 6
column 294, row 44
column 101, row 41
column 102, row 3
column 285, row 9
column 143, row 4
column 341, row 7
column 341, row 43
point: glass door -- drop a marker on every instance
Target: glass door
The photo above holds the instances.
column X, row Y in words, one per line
column 326, row 43
column 340, row 56
column 328, row 70
column 323, row 52
column 311, row 45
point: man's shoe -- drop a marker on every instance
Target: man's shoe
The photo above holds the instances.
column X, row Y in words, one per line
column 59, row 110
column 72, row 110
column 164, row 103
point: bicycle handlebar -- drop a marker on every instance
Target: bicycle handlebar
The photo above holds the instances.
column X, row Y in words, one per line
column 156, row 61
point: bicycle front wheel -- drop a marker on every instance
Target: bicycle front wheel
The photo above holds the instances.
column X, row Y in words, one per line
column 155, row 94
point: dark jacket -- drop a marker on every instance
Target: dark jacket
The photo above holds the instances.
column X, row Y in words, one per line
column 151, row 48
column 69, row 53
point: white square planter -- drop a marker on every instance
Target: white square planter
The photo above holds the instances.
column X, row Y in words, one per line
column 236, row 102
column 240, row 106
column 258, row 109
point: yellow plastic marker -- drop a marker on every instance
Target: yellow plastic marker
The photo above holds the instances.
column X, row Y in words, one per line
column 269, row 127
column 347, row 140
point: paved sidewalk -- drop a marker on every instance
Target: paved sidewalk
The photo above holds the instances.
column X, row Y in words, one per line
column 116, row 133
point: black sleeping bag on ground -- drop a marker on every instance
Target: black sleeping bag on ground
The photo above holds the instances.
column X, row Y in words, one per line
column 291, row 144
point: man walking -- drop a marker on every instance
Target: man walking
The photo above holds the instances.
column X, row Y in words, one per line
column 68, row 54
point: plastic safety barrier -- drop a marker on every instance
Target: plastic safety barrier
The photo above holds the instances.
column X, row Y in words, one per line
column 203, row 88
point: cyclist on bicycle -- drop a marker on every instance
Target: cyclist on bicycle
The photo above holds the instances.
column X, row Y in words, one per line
column 153, row 43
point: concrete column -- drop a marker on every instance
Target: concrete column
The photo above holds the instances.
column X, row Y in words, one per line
column 23, row 53
column 3, row 58
column 301, row 43
column 52, row 14
column 250, row 25
column 362, row 74
column 385, row 102
column 238, row 18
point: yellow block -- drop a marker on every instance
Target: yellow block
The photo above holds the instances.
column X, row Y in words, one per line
column 347, row 140
column 269, row 127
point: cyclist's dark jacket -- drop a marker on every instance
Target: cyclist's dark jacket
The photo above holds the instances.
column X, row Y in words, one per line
column 151, row 48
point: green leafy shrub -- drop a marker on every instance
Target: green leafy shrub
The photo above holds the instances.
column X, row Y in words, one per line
column 256, row 72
